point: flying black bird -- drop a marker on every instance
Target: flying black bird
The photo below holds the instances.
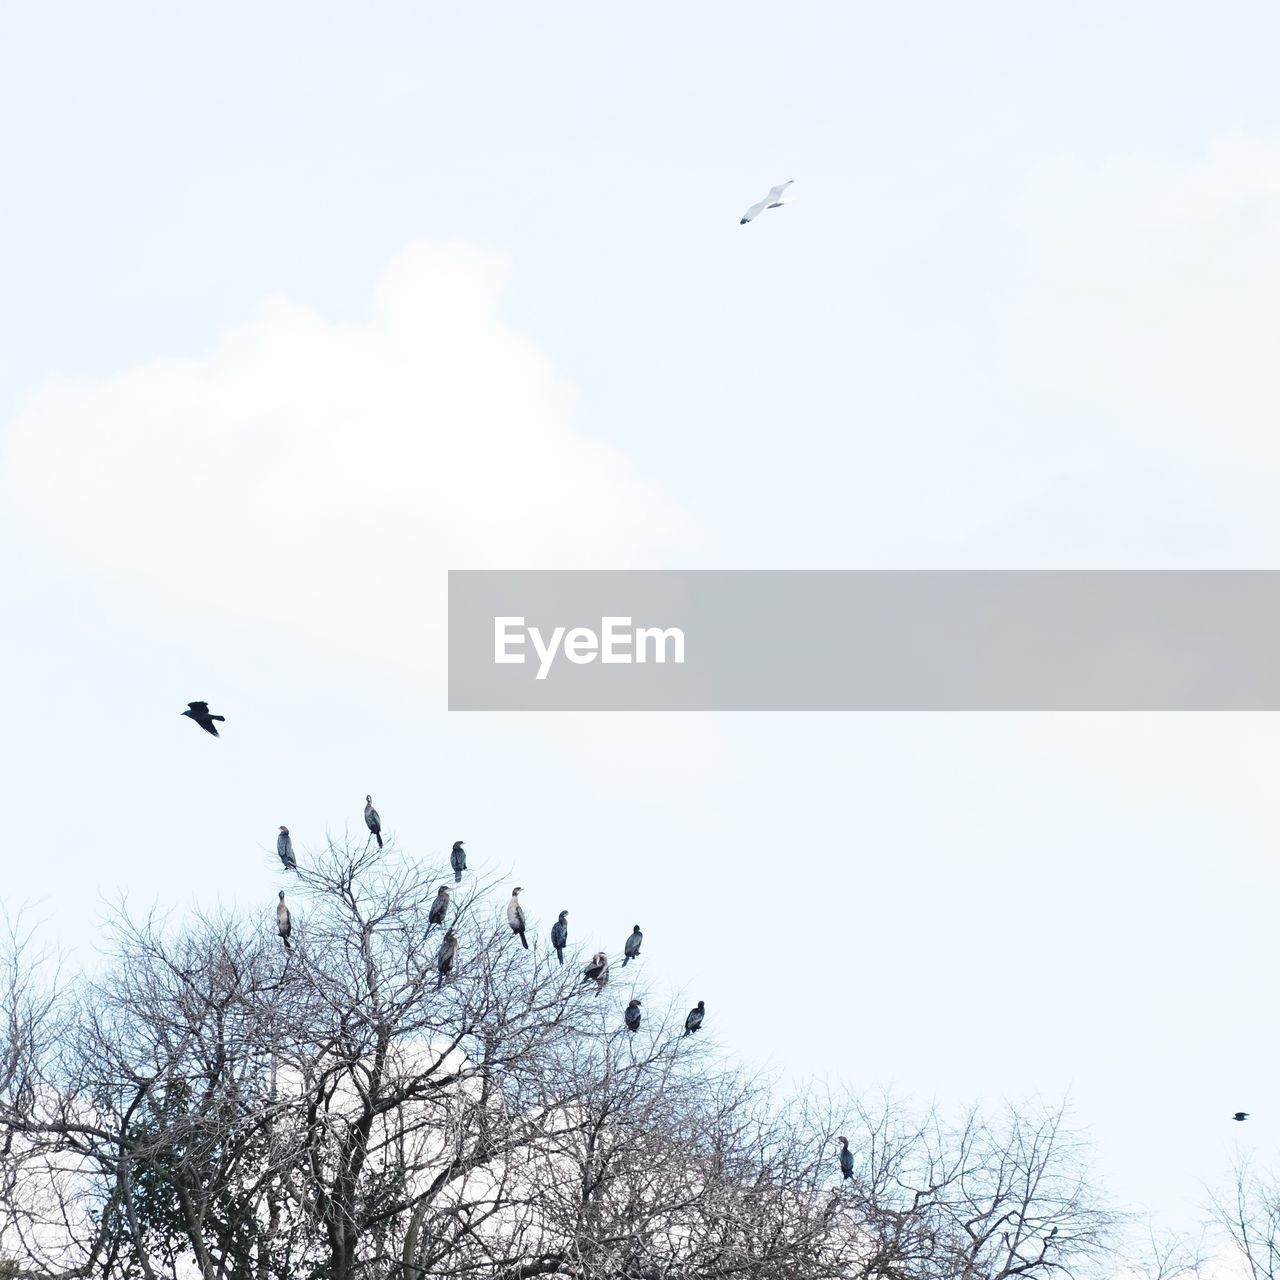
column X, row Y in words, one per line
column 632, row 1016
column 284, row 924
column 560, row 935
column 199, row 712
column 632, row 947
column 446, row 956
column 694, row 1021
column 597, row 971
column 439, row 907
column 1240, row 1115
column 515, row 917
column 846, row 1157
column 284, row 847
column 372, row 821
column 458, row 861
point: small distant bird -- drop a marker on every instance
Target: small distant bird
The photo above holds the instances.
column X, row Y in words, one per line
column 597, row 971
column 1051, row 1235
column 284, row 923
column 458, row 861
column 560, row 935
column 446, row 956
column 631, row 948
column 372, row 821
column 515, row 917
column 439, row 907
column 1240, row 1115
column 694, row 1021
column 846, row 1158
column 775, row 199
column 632, row 1016
column 284, row 847
column 199, row 712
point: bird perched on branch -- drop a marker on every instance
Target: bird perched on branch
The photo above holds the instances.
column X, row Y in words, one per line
column 284, row 847
column 372, row 821
column 284, row 922
column 776, row 198
column 631, row 948
column 458, row 861
column 693, row 1022
column 439, row 907
column 560, row 935
column 632, row 1016
column 597, row 971
column 446, row 956
column 199, row 712
column 515, row 917
column 846, row 1158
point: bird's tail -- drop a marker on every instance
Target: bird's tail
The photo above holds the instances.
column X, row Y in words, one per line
column 560, row 954
column 457, row 877
column 222, row 718
column 686, row 1032
column 626, row 960
column 524, row 942
column 288, row 946
column 378, row 837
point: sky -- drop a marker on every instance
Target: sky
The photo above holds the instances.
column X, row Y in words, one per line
column 306, row 306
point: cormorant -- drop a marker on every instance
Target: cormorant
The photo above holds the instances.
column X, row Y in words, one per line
column 632, row 1016
column 199, row 712
column 439, row 907
column 446, row 956
column 597, row 971
column 694, row 1021
column 372, row 821
column 458, row 861
column 632, row 948
column 560, row 935
column 846, row 1157
column 284, row 924
column 284, row 847
column 515, row 917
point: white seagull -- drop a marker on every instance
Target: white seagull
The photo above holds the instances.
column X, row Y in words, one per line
column 775, row 199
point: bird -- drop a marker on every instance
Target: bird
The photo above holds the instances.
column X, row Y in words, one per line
column 199, row 712
column 284, row 923
column 560, row 935
column 597, row 971
column 846, row 1156
column 1051, row 1235
column 284, row 847
column 458, row 861
column 446, row 956
column 1240, row 1115
column 373, row 822
column 632, row 1016
column 631, row 948
column 777, row 196
column 693, row 1022
column 515, row 917
column 439, row 907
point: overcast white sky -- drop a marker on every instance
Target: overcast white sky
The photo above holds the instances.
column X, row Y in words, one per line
column 307, row 305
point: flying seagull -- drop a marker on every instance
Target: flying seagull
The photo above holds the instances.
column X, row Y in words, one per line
column 775, row 199
column 1240, row 1115
column 372, row 821
column 458, row 861
column 560, row 935
column 199, row 712
column 694, row 1021
column 515, row 917
column 284, row 847
column 284, row 924
column 439, row 907
column 846, row 1158
column 631, row 949
column 446, row 956
column 632, row 1016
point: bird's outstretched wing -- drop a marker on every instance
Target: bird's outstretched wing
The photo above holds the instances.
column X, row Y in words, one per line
column 777, row 195
column 755, row 211
column 201, row 707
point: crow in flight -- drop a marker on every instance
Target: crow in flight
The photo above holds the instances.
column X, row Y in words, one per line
column 199, row 712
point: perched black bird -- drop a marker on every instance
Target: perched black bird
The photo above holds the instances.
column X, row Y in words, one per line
column 694, row 1021
column 631, row 949
column 284, row 924
column 284, row 847
column 597, row 971
column 372, row 821
column 1051, row 1235
column 439, row 907
column 1240, row 1115
column 846, row 1158
column 199, row 712
column 515, row 917
column 458, row 861
column 632, row 1016
column 560, row 935
column 446, row 956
